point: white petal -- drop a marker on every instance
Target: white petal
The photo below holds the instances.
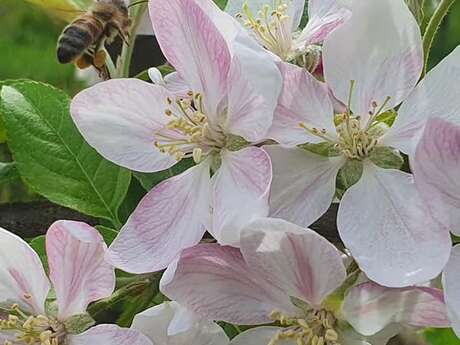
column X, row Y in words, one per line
column 369, row 307
column 383, row 222
column 119, row 119
column 109, row 335
column 380, row 48
column 194, row 46
column 303, row 184
column 435, row 96
column 156, row 323
column 436, row 168
column 22, row 278
column 297, row 261
column 77, row 268
column 215, row 281
column 240, row 192
column 451, row 283
column 169, row 218
column 305, row 100
column 323, row 17
column 351, row 337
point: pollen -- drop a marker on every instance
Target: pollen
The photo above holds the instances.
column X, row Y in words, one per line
column 31, row 329
column 356, row 139
column 188, row 133
column 315, row 328
column 270, row 26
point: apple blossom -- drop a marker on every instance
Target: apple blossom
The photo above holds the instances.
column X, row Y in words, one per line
column 371, row 63
column 233, row 86
column 289, row 274
column 436, row 167
column 276, row 25
column 79, row 276
column 171, row 324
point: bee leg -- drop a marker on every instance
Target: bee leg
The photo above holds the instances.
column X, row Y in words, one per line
column 99, row 59
column 84, row 61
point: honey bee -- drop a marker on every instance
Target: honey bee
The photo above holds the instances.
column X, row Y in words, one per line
column 83, row 40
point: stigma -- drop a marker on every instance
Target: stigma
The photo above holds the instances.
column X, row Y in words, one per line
column 31, row 329
column 316, row 327
column 271, row 27
column 189, row 132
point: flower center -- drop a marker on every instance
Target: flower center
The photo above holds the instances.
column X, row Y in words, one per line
column 271, row 27
column 188, row 133
column 31, row 329
column 355, row 141
column 317, row 327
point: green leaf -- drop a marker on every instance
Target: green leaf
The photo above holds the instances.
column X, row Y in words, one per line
column 221, row 3
column 135, row 194
column 416, row 7
column 444, row 336
column 39, row 245
column 107, row 233
column 348, row 175
column 325, row 149
column 53, row 158
column 150, row 180
column 8, row 172
column 77, row 324
column 386, row 157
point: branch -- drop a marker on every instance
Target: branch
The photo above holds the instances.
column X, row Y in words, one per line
column 32, row 219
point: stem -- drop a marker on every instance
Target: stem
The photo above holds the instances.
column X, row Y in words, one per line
column 433, row 27
column 132, row 289
column 128, row 47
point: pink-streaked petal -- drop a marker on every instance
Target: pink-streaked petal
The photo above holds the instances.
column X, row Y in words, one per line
column 76, row 266
column 22, row 278
column 436, row 169
column 193, row 45
column 323, row 17
column 297, row 261
column 214, row 281
column 109, row 335
column 169, row 218
column 369, row 307
column 305, row 100
column 303, row 184
column 380, row 48
column 240, row 193
column 119, row 118
column 451, row 284
column 259, row 336
column 156, row 323
column 391, row 234
column 249, row 115
column 435, row 96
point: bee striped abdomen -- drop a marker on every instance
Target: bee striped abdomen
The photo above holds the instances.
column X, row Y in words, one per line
column 78, row 37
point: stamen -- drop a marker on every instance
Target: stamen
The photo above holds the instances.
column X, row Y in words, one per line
column 30, row 329
column 270, row 27
column 315, row 328
column 188, row 133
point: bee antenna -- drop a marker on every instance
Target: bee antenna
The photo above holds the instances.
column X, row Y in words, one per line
column 137, row 3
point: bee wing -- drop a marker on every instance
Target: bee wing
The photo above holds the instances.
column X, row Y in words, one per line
column 66, row 10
